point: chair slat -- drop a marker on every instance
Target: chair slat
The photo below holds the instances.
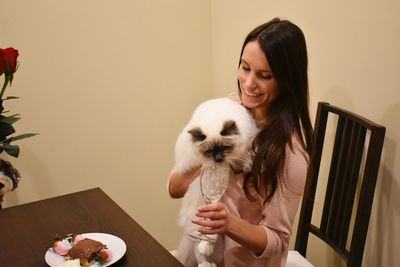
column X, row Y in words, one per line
column 353, row 169
column 332, row 176
column 335, row 179
column 342, row 181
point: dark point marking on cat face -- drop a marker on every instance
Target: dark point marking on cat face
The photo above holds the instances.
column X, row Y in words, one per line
column 217, row 150
column 197, row 135
column 229, row 128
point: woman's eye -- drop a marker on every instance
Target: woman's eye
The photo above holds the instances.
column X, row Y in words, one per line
column 266, row 77
column 245, row 68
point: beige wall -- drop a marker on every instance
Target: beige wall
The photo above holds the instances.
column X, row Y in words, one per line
column 108, row 84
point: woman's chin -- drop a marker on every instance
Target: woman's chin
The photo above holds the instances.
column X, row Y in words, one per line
column 251, row 102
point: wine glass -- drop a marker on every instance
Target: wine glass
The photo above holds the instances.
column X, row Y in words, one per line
column 214, row 180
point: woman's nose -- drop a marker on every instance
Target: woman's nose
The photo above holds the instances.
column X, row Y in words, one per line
column 250, row 82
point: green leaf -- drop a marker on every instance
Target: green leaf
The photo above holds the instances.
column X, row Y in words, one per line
column 6, row 129
column 11, row 97
column 19, row 137
column 11, row 119
column 11, row 150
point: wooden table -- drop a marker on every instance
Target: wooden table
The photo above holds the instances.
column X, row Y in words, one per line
column 26, row 231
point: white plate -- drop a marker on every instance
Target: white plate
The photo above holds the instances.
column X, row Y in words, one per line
column 113, row 243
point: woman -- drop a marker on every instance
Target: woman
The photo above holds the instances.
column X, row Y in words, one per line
column 255, row 216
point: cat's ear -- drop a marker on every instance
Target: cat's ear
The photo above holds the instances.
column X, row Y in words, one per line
column 197, row 135
column 229, row 128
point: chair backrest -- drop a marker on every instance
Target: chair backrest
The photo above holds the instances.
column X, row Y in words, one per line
column 343, row 179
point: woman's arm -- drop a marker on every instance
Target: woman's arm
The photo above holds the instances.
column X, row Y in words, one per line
column 178, row 183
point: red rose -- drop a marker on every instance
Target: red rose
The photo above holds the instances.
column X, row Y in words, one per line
column 10, row 58
column 1, row 61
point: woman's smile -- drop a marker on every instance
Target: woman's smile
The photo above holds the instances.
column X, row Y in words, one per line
column 251, row 94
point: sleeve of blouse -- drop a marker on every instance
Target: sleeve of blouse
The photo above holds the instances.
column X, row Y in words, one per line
column 280, row 212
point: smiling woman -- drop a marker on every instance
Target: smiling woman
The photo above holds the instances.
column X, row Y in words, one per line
column 255, row 216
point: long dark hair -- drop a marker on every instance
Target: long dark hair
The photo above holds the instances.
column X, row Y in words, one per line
column 284, row 46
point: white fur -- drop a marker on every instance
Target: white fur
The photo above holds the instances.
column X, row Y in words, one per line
column 209, row 117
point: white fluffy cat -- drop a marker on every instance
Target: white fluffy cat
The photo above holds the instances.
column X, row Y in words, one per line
column 220, row 132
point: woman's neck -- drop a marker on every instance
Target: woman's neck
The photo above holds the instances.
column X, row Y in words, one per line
column 261, row 117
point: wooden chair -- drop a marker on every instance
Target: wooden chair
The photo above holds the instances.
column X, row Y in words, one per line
column 354, row 164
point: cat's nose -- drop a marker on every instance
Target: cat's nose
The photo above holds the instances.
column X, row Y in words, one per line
column 219, row 157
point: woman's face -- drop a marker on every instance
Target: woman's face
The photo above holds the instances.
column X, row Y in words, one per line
column 257, row 82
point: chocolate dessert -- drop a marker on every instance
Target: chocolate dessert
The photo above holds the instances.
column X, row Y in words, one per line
column 86, row 251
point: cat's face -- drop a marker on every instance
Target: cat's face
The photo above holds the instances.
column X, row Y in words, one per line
column 220, row 131
column 225, row 146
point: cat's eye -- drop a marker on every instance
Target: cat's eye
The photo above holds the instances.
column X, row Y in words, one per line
column 197, row 135
column 229, row 128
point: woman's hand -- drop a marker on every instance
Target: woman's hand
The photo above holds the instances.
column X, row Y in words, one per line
column 212, row 219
